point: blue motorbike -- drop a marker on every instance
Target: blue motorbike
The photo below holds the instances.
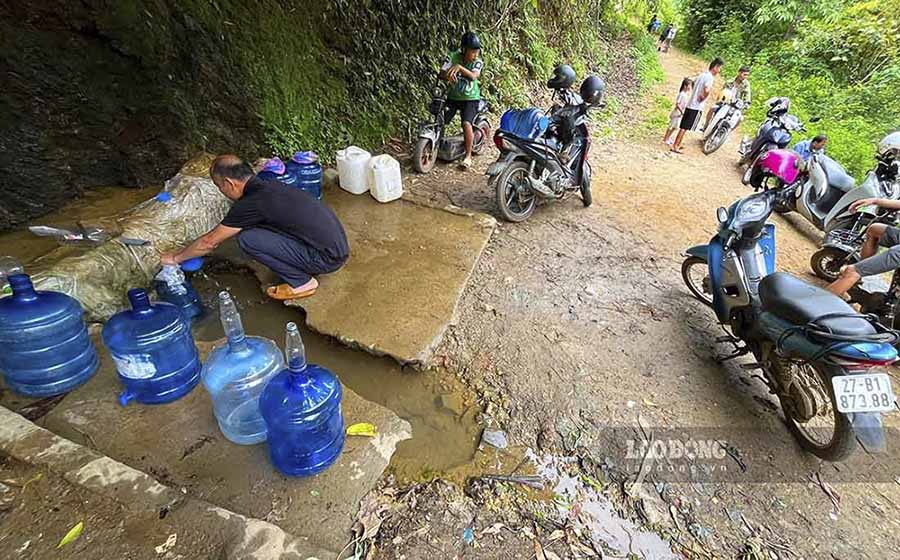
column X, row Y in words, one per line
column 823, row 360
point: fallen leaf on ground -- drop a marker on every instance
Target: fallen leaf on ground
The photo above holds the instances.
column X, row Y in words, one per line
column 73, row 534
column 361, row 429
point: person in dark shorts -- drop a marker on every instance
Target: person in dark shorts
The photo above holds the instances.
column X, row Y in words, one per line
column 462, row 68
column 873, row 262
column 283, row 227
column 703, row 85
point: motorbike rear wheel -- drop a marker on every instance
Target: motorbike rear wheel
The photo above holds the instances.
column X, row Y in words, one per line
column 695, row 272
column 424, row 155
column 515, row 199
column 826, row 263
column 586, row 197
column 717, row 138
column 811, row 404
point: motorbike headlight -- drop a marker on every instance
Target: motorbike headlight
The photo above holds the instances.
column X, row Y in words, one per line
column 752, row 210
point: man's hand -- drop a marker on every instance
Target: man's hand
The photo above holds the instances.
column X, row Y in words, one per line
column 864, row 202
column 167, row 259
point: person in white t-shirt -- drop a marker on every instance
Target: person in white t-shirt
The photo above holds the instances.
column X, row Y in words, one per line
column 703, row 85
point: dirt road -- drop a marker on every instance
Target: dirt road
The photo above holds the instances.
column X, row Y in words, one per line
column 577, row 326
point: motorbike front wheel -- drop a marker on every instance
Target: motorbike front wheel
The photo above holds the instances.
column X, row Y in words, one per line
column 515, row 199
column 424, row 155
column 695, row 272
column 826, row 263
column 586, row 197
column 811, row 412
column 718, row 137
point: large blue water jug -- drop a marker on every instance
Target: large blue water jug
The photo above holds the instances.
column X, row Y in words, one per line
column 153, row 349
column 302, row 409
column 275, row 170
column 176, row 288
column 235, row 374
column 525, row 123
column 306, row 168
column 46, row 349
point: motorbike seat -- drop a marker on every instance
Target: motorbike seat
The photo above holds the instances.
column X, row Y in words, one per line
column 798, row 302
column 837, row 177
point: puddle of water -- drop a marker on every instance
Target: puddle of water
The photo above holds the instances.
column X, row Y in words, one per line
column 591, row 513
column 98, row 206
column 442, row 414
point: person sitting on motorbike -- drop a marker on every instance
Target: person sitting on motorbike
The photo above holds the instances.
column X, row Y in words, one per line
column 807, row 148
column 877, row 235
column 462, row 68
column 740, row 87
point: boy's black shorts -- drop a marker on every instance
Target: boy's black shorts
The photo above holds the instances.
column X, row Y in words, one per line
column 467, row 109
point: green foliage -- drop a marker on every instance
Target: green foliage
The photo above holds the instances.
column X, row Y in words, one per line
column 835, row 59
column 649, row 70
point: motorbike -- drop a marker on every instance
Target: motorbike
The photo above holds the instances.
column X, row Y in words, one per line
column 844, row 230
column 432, row 141
column 775, row 132
column 822, row 360
column 725, row 120
column 550, row 163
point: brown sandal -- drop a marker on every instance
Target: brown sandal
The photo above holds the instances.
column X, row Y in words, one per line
column 283, row 292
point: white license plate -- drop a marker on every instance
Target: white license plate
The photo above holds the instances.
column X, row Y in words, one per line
column 868, row 392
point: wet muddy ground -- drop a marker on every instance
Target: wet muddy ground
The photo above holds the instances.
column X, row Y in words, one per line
column 577, row 326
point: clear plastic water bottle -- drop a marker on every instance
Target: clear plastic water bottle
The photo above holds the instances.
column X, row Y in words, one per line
column 235, row 374
column 302, row 409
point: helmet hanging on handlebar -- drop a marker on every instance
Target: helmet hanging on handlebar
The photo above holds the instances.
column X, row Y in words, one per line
column 563, row 77
column 592, row 90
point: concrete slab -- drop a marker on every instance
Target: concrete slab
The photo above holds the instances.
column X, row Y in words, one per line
column 180, row 445
column 408, row 266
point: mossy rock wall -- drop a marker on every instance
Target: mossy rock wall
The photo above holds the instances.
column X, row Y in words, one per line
column 122, row 92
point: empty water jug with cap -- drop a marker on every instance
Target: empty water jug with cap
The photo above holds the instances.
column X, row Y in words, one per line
column 302, row 409
column 307, row 171
column 385, row 180
column 153, row 349
column 46, row 347
column 235, row 374
column 352, row 164
column 172, row 286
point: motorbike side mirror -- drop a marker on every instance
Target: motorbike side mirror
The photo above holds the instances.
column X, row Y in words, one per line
column 722, row 214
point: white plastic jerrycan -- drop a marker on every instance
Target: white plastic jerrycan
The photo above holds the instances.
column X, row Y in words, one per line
column 385, row 181
column 352, row 169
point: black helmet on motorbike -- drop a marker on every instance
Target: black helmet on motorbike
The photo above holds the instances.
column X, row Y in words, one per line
column 592, row 90
column 563, row 77
column 778, row 106
column 470, row 41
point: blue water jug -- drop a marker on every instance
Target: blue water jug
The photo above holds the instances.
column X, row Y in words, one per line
column 235, row 374
column 153, row 349
column 306, row 168
column 172, row 286
column 275, row 170
column 302, row 409
column 524, row 123
column 46, row 347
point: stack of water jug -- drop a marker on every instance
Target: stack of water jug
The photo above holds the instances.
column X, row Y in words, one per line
column 302, row 171
column 257, row 395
